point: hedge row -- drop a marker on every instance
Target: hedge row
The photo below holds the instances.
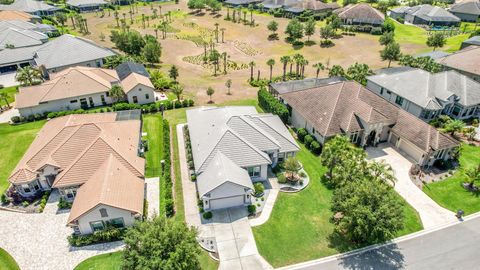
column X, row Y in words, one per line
column 167, row 172
column 271, row 104
column 310, row 142
column 108, row 235
column 188, row 147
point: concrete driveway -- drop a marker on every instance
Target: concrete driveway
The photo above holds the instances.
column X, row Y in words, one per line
column 8, row 79
column 430, row 212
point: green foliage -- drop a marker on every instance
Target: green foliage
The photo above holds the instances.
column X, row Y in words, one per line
column 291, row 166
column 161, row 244
column 272, row 26
column 437, row 40
column 130, row 42
column 307, row 140
column 271, row 104
column 391, row 52
column 388, row 26
column 64, row 204
column 359, row 73
column 207, row 215
column 387, row 38
column 109, row 234
column 28, row 76
column 159, row 80
column 117, row 93
column 294, row 30
column 282, row 179
column 301, row 133
column 115, row 60
column 440, row 121
column 454, row 126
column 315, row 147
column 259, row 188
column 425, row 63
column 252, row 209
column 310, row 27
column 152, row 51
column 166, row 174
column 173, row 73
column 336, row 70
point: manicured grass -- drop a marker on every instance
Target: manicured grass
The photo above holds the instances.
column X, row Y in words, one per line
column 11, row 91
column 450, row 193
column 7, row 262
column 108, row 261
column 14, row 141
column 299, row 228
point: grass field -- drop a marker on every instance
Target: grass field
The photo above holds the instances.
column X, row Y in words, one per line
column 450, row 193
column 11, row 91
column 7, row 262
column 108, row 261
column 299, row 228
column 15, row 140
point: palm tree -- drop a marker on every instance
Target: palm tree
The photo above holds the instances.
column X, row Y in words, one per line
column 270, row 63
column 216, row 31
column 382, row 171
column 252, row 65
column 27, row 76
column 210, row 93
column 303, row 63
column 454, row 126
column 116, row 93
column 319, row 66
column 177, row 90
column 285, row 60
column 228, row 84
column 298, row 58
column 223, row 34
column 4, row 97
column 472, row 175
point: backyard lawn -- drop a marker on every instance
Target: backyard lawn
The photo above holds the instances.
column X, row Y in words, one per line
column 14, row 142
column 11, row 91
column 7, row 262
column 299, row 228
column 108, row 261
column 450, row 193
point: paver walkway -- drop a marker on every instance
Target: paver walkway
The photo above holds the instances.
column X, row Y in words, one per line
column 39, row 241
column 7, row 115
column 430, row 212
column 152, row 194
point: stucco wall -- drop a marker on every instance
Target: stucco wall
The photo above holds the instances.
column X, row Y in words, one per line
column 299, row 122
column 140, row 91
column 94, row 215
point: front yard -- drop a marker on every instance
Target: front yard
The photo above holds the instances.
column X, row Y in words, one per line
column 299, row 228
column 109, row 261
column 450, row 193
column 10, row 91
column 7, row 262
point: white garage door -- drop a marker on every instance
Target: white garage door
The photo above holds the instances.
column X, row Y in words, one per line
column 410, row 150
column 226, row 202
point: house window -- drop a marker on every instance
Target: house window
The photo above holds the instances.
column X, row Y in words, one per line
column 281, row 157
column 97, row 226
column 456, row 111
column 354, row 137
column 70, row 193
column 73, row 101
column 381, row 91
column 117, row 222
column 147, row 96
column 313, row 130
column 388, row 92
column 254, row 171
column 26, row 188
column 90, row 100
column 102, row 97
column 103, row 212
column 36, row 186
column 99, row 63
column 107, row 93
column 399, row 100
column 135, row 99
column 139, row 89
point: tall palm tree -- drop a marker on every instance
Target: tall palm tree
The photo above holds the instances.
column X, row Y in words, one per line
column 472, row 175
column 285, row 60
column 298, row 58
column 252, row 65
column 4, row 97
column 27, row 76
column 177, row 90
column 319, row 66
column 303, row 63
column 216, row 31
column 271, row 63
column 223, row 34
column 116, row 93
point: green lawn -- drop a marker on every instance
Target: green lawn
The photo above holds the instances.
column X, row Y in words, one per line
column 108, row 261
column 450, row 193
column 299, row 228
column 13, row 143
column 11, row 91
column 7, row 262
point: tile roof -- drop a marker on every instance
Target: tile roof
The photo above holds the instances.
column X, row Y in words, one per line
column 113, row 184
column 475, row 40
column 467, row 7
column 20, row 38
column 7, row 15
column 86, row 3
column 220, row 171
column 465, row 60
column 30, row 6
column 360, row 13
column 79, row 145
column 127, row 68
column 135, row 79
column 432, row 13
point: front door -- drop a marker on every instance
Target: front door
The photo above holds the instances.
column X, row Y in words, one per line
column 83, row 103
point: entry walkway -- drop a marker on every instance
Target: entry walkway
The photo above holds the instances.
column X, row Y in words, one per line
column 430, row 212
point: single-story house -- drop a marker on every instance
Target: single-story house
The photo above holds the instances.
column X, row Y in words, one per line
column 428, row 95
column 55, row 55
column 349, row 108
column 81, row 87
column 242, row 2
column 361, row 13
column 274, row 4
column 15, row 15
column 475, row 40
column 464, row 61
column 12, row 37
column 86, row 5
column 425, row 15
column 467, row 11
column 299, row 6
column 38, row 8
column 24, row 25
column 280, row 88
column 231, row 147
column 93, row 160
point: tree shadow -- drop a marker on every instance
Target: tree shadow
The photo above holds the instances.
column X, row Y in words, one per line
column 310, row 43
column 298, row 45
column 385, row 258
column 273, row 37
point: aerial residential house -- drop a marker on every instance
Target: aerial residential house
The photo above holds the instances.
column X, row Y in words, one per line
column 425, row 15
column 38, row 8
column 464, row 61
column 467, row 11
column 280, row 88
column 475, row 40
column 296, row 7
column 349, row 108
column 361, row 13
column 13, row 37
column 93, row 160
column 233, row 147
column 86, row 5
column 242, row 2
column 428, row 95
column 81, row 88
column 14, row 15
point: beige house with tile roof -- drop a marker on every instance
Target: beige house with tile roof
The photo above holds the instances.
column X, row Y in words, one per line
column 81, row 87
column 465, row 61
column 93, row 160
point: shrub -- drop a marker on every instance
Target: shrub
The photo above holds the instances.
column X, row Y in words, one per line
column 301, row 133
column 193, row 178
column 308, row 140
column 302, row 174
column 282, row 179
column 315, row 147
column 271, row 104
column 4, row 199
column 326, row 43
column 63, row 204
column 169, row 208
column 25, row 203
column 376, row 31
column 251, row 209
column 15, row 119
column 178, row 104
column 259, row 188
column 207, row 215
column 387, row 26
column 401, row 20
column 109, row 234
column 52, row 115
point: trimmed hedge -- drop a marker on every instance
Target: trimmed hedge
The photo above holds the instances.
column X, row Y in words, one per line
column 310, row 142
column 167, row 172
column 272, row 105
column 301, row 133
column 109, row 234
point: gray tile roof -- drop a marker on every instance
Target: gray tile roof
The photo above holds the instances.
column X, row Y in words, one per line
column 465, row 60
column 86, row 3
column 296, row 85
column 360, row 13
column 432, row 13
column 220, row 171
column 127, row 68
column 473, row 41
column 21, row 38
column 433, row 54
column 29, row 6
column 8, row 56
column 426, row 89
column 467, row 7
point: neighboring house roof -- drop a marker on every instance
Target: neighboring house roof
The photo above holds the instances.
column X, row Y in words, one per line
column 272, row 4
column 360, row 13
column 222, row 170
column 69, row 50
column 127, row 68
column 238, row 132
column 86, row 3
column 10, row 56
column 30, row 6
column 432, row 13
column 467, row 7
column 8, row 15
column 337, row 108
column 21, row 38
column 135, row 79
column 465, row 60
column 475, row 40
column 433, row 54
column 24, row 25
column 79, row 145
column 242, row 2
column 296, row 85
column 113, row 184
column 400, row 9
column 427, row 89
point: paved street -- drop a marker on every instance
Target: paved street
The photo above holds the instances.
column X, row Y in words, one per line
column 430, row 212
column 453, row 247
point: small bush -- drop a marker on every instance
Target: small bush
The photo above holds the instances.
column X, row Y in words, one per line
column 282, row 179
column 401, row 20
column 315, row 147
column 193, row 178
column 376, row 31
column 25, row 203
column 271, row 104
column 207, row 215
column 301, row 133
column 169, row 208
column 302, row 174
column 108, row 235
column 308, row 140
column 4, row 199
column 259, row 188
column 15, row 119
column 326, row 43
column 251, row 209
column 63, row 204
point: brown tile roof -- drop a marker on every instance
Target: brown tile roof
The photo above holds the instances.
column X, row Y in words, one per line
column 135, row 79
column 11, row 15
column 113, row 184
column 337, row 108
column 360, row 12
column 467, row 59
column 316, row 5
column 78, row 145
